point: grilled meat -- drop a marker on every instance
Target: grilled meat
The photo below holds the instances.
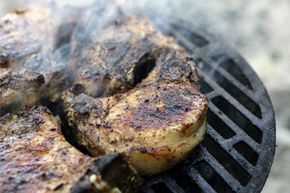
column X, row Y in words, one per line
column 24, row 33
column 37, row 39
column 115, row 58
column 35, row 30
column 18, row 90
column 151, row 109
column 35, row 157
column 58, row 77
column 108, row 174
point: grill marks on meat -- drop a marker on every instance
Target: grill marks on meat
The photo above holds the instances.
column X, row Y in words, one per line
column 151, row 111
column 36, row 158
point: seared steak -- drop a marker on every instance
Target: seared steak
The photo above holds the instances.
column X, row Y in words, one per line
column 150, row 109
column 35, row 157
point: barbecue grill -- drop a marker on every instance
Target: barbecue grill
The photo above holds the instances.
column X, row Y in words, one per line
column 237, row 152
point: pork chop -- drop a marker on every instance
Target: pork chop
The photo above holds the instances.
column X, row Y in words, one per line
column 34, row 30
column 37, row 39
column 35, row 157
column 148, row 106
column 115, row 58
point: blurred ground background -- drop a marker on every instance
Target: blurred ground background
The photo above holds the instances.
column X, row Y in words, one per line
column 259, row 30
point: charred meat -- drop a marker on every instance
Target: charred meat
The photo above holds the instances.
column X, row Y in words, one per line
column 117, row 57
column 135, row 93
column 35, row 157
column 150, row 108
column 34, row 30
column 37, row 39
column 19, row 90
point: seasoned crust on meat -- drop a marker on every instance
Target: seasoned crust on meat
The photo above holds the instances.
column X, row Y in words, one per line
column 19, row 90
column 35, row 157
column 112, row 60
column 153, row 137
column 35, row 39
column 149, row 106
column 34, row 30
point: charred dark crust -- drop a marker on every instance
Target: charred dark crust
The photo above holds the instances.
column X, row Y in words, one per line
column 120, row 64
column 28, row 121
column 177, row 102
column 151, row 90
column 19, row 89
column 115, row 66
column 24, row 80
column 110, row 169
column 34, row 134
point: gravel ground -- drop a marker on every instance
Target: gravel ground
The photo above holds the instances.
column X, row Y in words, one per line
column 259, row 31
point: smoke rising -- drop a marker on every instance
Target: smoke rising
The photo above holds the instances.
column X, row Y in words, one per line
column 72, row 30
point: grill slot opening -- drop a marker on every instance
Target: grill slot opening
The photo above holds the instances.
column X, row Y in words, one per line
column 196, row 39
column 185, row 181
column 238, row 118
column 214, row 180
column 237, row 171
column 238, row 94
column 161, row 187
column 204, row 86
column 219, row 126
column 234, row 91
column 231, row 66
column 247, row 152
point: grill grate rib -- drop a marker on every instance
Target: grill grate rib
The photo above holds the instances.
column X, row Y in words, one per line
column 239, row 146
column 233, row 68
column 247, row 152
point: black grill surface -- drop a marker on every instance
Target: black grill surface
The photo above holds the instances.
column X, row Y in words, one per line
column 238, row 149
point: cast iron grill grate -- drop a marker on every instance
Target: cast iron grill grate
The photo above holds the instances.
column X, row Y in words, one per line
column 239, row 145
